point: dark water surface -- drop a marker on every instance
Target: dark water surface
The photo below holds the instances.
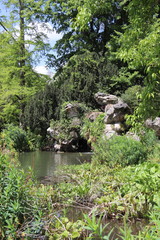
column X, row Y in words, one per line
column 46, row 163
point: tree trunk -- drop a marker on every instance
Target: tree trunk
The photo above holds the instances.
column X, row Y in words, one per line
column 22, row 43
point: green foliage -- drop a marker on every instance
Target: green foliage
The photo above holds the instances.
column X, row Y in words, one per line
column 149, row 139
column 155, row 153
column 18, row 79
column 144, row 185
column 139, row 47
column 40, row 109
column 79, row 107
column 25, row 206
column 119, row 150
column 63, row 128
column 84, row 75
column 131, row 96
column 150, row 232
column 13, row 93
column 69, row 17
column 17, row 200
column 114, row 191
column 92, row 131
column 95, row 227
column 63, row 228
column 34, row 140
column 15, row 137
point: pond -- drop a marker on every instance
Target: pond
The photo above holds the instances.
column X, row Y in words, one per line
column 46, row 163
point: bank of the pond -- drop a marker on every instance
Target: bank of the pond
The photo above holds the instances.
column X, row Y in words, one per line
column 132, row 190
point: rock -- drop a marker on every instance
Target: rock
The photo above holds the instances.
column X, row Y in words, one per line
column 50, row 131
column 69, row 146
column 118, row 127
column 110, row 134
column 53, row 132
column 76, row 121
column 93, row 115
column 114, row 120
column 155, row 125
column 133, row 136
column 104, row 99
column 66, row 146
column 57, row 147
column 114, row 129
column 109, row 107
column 149, row 123
column 71, row 110
column 116, row 113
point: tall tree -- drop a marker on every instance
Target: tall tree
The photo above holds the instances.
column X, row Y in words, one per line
column 18, row 80
column 140, row 49
column 68, row 17
column 22, row 42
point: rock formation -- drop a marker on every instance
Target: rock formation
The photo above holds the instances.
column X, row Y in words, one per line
column 154, row 124
column 115, row 111
column 67, row 138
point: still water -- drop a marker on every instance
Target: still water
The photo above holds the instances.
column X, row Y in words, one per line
column 46, row 163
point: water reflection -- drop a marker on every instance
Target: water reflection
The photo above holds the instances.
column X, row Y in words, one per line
column 45, row 163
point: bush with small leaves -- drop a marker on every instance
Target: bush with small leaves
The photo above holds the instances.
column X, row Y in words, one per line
column 119, row 150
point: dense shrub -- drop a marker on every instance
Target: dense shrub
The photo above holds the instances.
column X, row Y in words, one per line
column 16, row 200
column 149, row 139
column 119, row 150
column 15, row 137
column 23, row 203
column 152, row 144
column 63, row 128
column 93, row 130
column 130, row 96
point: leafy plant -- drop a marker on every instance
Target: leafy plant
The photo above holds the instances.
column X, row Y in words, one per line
column 24, row 206
column 92, row 131
column 150, row 232
column 96, row 228
column 119, row 150
column 130, row 96
column 15, row 197
column 149, row 139
column 15, row 137
column 63, row 228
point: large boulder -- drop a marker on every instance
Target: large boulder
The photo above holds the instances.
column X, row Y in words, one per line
column 115, row 113
column 154, row 124
column 71, row 110
column 104, row 99
column 114, row 129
